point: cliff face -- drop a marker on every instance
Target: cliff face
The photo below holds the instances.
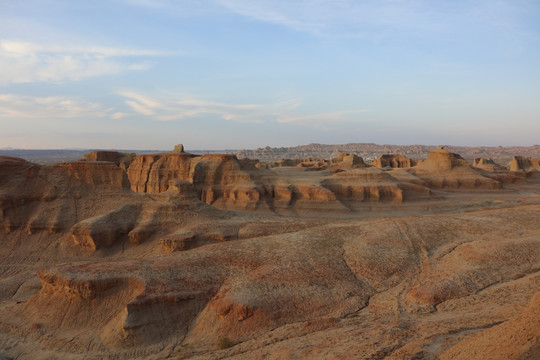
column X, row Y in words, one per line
column 214, row 177
column 25, row 187
column 151, row 173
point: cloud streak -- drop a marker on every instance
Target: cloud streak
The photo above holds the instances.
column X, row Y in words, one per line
column 26, row 62
column 375, row 19
column 32, row 107
column 181, row 107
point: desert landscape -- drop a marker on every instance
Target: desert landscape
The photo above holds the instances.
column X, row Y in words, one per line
column 181, row 256
column 269, row 180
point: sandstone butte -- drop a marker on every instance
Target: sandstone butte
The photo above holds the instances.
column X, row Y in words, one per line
column 178, row 256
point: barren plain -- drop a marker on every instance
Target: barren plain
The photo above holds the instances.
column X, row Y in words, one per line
column 182, row 256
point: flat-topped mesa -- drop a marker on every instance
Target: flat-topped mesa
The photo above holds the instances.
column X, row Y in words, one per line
column 487, row 164
column 214, row 176
column 442, row 159
column 123, row 160
column 393, row 161
column 524, row 164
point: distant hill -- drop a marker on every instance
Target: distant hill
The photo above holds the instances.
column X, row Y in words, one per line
column 369, row 151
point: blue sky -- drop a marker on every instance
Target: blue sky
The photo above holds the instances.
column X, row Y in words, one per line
column 232, row 74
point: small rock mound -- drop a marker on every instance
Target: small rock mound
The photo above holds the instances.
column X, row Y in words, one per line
column 442, row 159
column 349, row 161
column 178, row 149
column 487, row 164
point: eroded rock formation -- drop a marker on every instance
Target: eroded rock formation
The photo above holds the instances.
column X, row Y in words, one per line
column 523, row 164
column 366, row 263
column 487, row 164
column 393, row 161
column 123, row 160
column 443, row 169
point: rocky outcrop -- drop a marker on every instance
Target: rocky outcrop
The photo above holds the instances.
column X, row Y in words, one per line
column 225, row 181
column 105, row 230
column 372, row 185
column 487, row 164
column 178, row 149
column 442, row 160
column 279, row 163
column 122, row 160
column 348, row 161
column 523, row 164
column 36, row 198
column 443, row 169
column 215, row 177
column 151, row 173
column 393, row 161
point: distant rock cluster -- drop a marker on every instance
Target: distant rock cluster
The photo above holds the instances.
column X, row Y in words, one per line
column 369, row 151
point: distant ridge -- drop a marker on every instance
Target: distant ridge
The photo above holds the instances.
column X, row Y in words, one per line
column 370, row 151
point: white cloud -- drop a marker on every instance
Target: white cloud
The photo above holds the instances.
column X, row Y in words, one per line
column 118, row 115
column 178, row 107
column 23, row 62
column 31, row 107
column 376, row 19
column 141, row 109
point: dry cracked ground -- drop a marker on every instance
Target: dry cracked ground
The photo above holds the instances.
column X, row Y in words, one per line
column 177, row 256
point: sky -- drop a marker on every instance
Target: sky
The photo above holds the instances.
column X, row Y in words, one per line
column 243, row 74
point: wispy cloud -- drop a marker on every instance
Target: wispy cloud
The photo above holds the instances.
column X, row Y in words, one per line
column 23, row 62
column 345, row 17
column 375, row 19
column 32, row 107
column 177, row 107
